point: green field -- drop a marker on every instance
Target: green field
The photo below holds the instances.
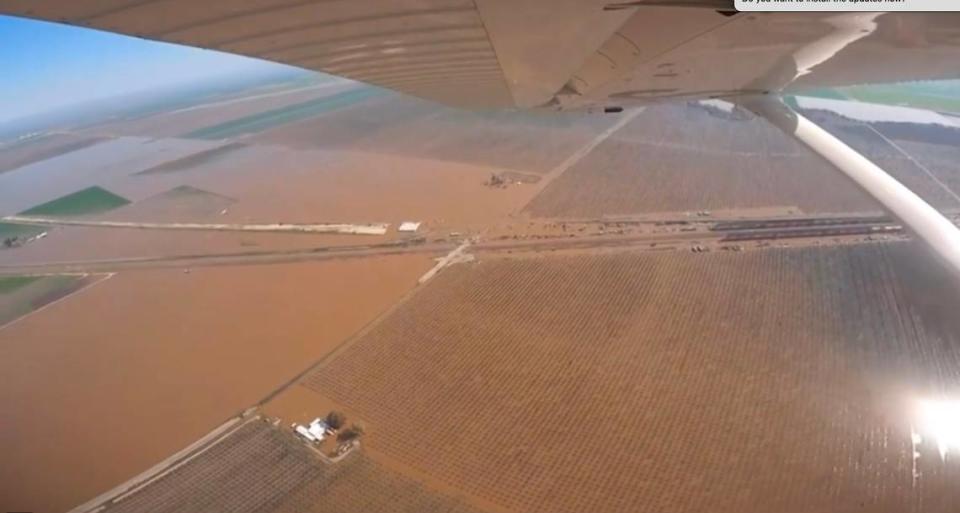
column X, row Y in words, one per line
column 830, row 94
column 9, row 284
column 20, row 295
column 92, row 200
column 919, row 95
column 18, row 230
column 941, row 96
column 271, row 118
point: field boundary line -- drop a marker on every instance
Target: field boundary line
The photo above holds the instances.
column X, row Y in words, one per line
column 243, row 99
column 280, row 257
column 916, row 162
column 582, row 152
column 104, row 278
column 168, row 465
column 343, row 346
column 325, row 228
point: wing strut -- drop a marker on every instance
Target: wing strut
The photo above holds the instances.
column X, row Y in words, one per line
column 929, row 225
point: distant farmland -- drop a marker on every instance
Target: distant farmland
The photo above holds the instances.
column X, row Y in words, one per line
column 92, row 200
column 264, row 120
column 404, row 125
column 193, row 160
column 179, row 204
column 681, row 158
column 666, row 382
column 939, row 95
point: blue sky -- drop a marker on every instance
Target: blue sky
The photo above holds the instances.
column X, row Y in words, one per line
column 45, row 66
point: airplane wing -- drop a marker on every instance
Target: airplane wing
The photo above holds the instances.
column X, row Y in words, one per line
column 564, row 54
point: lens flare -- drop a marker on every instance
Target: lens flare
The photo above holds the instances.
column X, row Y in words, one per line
column 939, row 421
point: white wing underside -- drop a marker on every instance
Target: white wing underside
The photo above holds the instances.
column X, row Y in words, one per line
column 563, row 54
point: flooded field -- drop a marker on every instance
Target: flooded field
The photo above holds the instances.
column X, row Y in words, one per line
column 100, row 164
column 143, row 364
column 364, row 187
column 17, row 154
column 23, row 295
column 303, row 186
column 179, row 204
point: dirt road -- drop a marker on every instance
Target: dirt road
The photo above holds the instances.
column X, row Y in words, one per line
column 341, row 228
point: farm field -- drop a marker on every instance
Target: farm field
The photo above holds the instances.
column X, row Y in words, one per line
column 264, row 120
column 258, row 468
column 183, row 203
column 195, row 160
column 939, row 96
column 632, row 382
column 9, row 284
column 940, row 159
column 681, row 158
column 18, row 230
column 573, row 373
column 155, row 359
column 405, row 126
column 167, row 122
column 20, row 295
column 92, row 200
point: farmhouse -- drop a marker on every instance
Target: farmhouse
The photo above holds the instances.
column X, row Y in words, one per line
column 315, row 432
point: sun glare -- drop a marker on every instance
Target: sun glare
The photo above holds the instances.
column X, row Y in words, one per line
column 939, row 420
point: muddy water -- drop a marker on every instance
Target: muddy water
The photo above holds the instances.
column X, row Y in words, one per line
column 370, row 187
column 276, row 184
column 101, row 386
column 302, row 186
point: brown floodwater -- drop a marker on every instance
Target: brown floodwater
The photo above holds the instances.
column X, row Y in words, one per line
column 317, row 185
column 302, row 186
column 103, row 385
